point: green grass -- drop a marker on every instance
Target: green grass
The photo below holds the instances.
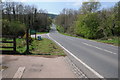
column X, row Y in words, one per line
column 112, row 40
column 45, row 46
column 42, row 47
column 6, row 44
column 74, row 36
column 67, row 34
column 21, row 45
column 42, row 32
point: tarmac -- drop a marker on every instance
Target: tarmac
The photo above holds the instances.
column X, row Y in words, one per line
column 18, row 66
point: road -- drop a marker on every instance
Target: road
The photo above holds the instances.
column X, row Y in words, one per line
column 94, row 58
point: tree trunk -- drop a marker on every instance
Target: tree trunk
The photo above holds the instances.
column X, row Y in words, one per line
column 35, row 36
column 14, row 14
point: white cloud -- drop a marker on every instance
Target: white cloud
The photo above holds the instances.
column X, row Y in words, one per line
column 77, row 4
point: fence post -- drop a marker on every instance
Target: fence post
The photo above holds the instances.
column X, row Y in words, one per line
column 14, row 44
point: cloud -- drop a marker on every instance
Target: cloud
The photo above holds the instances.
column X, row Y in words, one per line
column 77, row 4
column 23, row 0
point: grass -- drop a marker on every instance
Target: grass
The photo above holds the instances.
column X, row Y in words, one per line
column 74, row 36
column 67, row 34
column 37, row 47
column 21, row 45
column 45, row 46
column 42, row 32
column 6, row 44
column 112, row 40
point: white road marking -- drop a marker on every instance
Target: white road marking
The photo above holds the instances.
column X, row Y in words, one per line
column 104, row 43
column 99, row 48
column 19, row 73
column 96, row 73
column 1, row 74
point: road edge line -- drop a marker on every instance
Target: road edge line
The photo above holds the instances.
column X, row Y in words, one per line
column 96, row 73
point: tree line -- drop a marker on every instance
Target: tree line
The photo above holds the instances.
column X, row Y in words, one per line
column 90, row 22
column 17, row 17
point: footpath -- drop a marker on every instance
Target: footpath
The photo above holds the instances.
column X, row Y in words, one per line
column 17, row 66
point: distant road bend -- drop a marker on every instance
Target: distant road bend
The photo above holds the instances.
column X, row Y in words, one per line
column 100, row 60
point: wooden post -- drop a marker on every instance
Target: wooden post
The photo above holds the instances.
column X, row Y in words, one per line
column 14, row 44
column 27, row 35
column 27, row 40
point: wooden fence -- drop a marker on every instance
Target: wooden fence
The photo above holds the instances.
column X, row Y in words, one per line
column 13, row 38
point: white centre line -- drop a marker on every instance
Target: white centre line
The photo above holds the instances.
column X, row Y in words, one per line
column 99, row 48
column 92, row 70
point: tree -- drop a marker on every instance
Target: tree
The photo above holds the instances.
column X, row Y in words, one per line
column 14, row 28
column 18, row 19
column 66, row 19
column 117, row 18
column 90, row 7
column 87, row 26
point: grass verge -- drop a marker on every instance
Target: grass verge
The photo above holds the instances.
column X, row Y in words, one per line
column 45, row 46
column 37, row 47
column 112, row 40
column 42, row 32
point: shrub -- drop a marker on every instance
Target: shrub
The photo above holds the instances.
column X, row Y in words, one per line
column 14, row 28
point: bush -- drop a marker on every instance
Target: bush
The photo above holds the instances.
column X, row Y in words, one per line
column 79, row 29
column 14, row 28
column 60, row 29
column 29, row 38
column 87, row 26
column 5, row 27
column 91, row 24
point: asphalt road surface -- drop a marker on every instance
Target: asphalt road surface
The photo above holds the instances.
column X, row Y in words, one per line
column 99, row 58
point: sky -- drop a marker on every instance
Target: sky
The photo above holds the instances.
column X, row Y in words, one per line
column 56, row 6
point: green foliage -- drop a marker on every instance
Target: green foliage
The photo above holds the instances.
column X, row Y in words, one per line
column 21, row 45
column 60, row 29
column 79, row 26
column 42, row 25
column 13, row 28
column 52, row 15
column 5, row 27
column 16, row 28
column 90, row 6
column 113, row 40
column 87, row 25
column 117, row 28
column 90, row 23
column 45, row 46
column 19, row 14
